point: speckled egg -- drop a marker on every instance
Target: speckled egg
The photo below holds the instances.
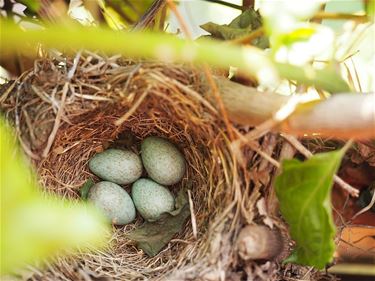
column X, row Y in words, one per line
column 114, row 201
column 116, row 165
column 163, row 162
column 151, row 199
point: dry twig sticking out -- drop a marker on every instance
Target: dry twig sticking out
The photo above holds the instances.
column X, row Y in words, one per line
column 365, row 209
column 60, row 111
column 192, row 214
column 307, row 153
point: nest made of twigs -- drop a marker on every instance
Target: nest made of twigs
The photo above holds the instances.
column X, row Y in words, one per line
column 62, row 120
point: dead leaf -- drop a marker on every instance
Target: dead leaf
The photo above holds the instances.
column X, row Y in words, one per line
column 152, row 237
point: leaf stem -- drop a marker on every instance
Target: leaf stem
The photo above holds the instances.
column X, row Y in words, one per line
column 224, row 3
column 340, row 16
column 248, row 38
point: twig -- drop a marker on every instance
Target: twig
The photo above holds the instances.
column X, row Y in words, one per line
column 368, row 207
column 180, row 19
column 150, row 15
column 56, row 125
column 224, row 3
column 129, row 113
column 218, row 99
column 192, row 214
column 60, row 110
column 307, row 153
column 254, row 146
column 284, row 112
column 248, row 38
column 207, row 71
column 340, row 16
column 247, row 4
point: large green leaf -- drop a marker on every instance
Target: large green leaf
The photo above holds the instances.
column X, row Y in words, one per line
column 304, row 192
column 250, row 60
column 325, row 79
column 36, row 226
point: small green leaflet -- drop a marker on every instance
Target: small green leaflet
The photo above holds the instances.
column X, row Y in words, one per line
column 84, row 190
column 152, row 237
column 241, row 26
column 304, row 193
column 33, row 5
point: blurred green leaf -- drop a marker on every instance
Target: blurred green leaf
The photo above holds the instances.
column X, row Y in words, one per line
column 304, row 193
column 32, row 5
column 303, row 44
column 35, row 226
column 299, row 34
column 119, row 13
column 325, row 79
column 281, row 16
column 152, row 237
column 84, row 190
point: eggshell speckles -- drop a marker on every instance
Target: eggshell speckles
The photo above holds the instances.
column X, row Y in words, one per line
column 151, row 199
column 118, row 166
column 114, row 201
column 163, row 162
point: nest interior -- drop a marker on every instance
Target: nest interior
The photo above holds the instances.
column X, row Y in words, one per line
column 62, row 122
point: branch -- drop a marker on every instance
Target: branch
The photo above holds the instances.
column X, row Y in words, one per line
column 224, row 3
column 341, row 116
column 340, row 16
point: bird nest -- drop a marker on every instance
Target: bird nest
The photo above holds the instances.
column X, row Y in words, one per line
column 66, row 110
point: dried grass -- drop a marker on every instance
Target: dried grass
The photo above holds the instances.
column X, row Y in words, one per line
column 148, row 98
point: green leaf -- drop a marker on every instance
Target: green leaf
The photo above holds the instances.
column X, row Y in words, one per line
column 152, row 237
column 242, row 25
column 304, row 193
column 33, row 5
column 250, row 60
column 84, row 190
column 35, row 226
column 299, row 34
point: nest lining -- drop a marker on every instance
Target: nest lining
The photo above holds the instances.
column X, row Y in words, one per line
column 151, row 99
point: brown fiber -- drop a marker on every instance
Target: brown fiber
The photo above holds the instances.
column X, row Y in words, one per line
column 149, row 98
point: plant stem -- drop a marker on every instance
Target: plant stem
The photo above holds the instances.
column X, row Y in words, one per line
column 340, row 116
column 164, row 47
column 340, row 16
column 250, row 60
column 248, row 38
column 231, row 5
column 247, row 4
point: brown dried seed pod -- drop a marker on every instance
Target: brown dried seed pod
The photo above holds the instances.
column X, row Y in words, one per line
column 259, row 242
